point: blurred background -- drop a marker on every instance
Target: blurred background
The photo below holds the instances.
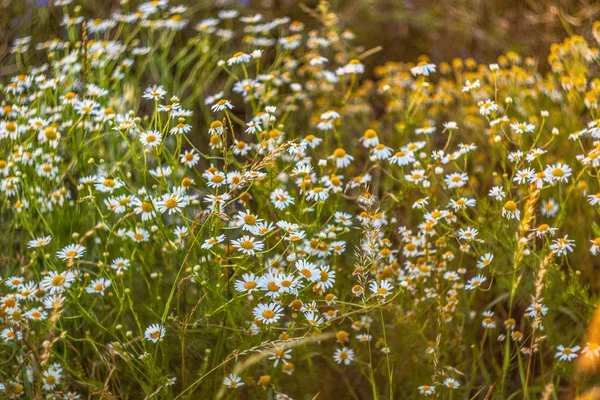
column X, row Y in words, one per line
column 441, row 29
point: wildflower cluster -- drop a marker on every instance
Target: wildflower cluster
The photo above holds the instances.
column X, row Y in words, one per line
column 262, row 209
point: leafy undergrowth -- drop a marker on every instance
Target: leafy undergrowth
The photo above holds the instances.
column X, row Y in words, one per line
column 223, row 206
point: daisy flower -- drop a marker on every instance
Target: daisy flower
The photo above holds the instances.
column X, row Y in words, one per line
column 402, row 158
column 562, row 246
column 268, row 313
column 318, row 194
column 456, row 180
column 536, row 309
column 485, row 260
column 313, row 318
column 381, row 289
column 280, row 354
column 423, row 68
column 591, row 350
column 155, row 332
column 210, row 242
column 471, row 85
column 510, row 210
column 233, row 381
column 154, row 93
column 248, row 283
column 369, row 138
column 98, row 286
column 341, row 158
column 171, row 203
column 57, row 283
column 451, row 383
column 522, row 127
column 107, row 185
column 11, row 334
column 248, row 245
column 343, row 356
column 145, row 208
column 487, row 107
column 558, row 173
column 39, row 242
column 71, row 252
column 381, row 152
column 189, row 158
column 475, row 282
column 549, row 207
column 281, row 198
column 222, row 105
column 238, row 58
column 151, row 138
column 180, row 128
column 595, row 248
column 308, row 270
column 426, row 390
column 566, row 353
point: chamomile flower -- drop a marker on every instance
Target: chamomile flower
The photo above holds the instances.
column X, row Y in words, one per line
column 562, row 246
column 456, row 180
column 239, row 58
column 591, row 350
column 558, row 173
column 222, row 105
column 451, row 383
column 170, row 203
column 475, row 282
column 381, row 152
column 510, row 210
column 343, row 356
column 211, row 242
column 268, row 313
column 71, row 252
column 423, row 68
column 369, row 138
column 98, row 286
column 522, row 127
column 536, row 310
column 549, row 207
column 155, row 332
column 280, row 354
column 485, row 260
column 180, row 129
column 566, row 353
column 39, row 242
column 317, row 193
column 233, row 381
column 381, row 289
column 107, row 185
column 426, row 390
column 341, row 158
column 471, row 85
column 189, row 158
column 248, row 245
column 281, row 198
column 248, row 283
column 56, row 282
column 402, row 158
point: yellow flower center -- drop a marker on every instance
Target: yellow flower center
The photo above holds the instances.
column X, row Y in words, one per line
column 510, row 206
column 370, row 134
column 247, row 244
column 339, row 153
column 171, row 203
column 58, row 280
